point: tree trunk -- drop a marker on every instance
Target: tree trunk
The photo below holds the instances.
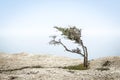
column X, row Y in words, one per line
column 85, row 61
column 85, row 57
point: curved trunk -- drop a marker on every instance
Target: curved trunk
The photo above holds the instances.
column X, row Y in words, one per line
column 85, row 60
column 85, row 55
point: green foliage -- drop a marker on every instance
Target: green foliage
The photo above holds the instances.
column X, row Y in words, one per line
column 71, row 33
column 76, row 67
column 102, row 69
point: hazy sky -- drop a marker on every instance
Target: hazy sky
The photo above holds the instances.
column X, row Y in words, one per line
column 25, row 25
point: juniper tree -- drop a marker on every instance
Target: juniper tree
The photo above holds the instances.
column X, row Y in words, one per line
column 73, row 34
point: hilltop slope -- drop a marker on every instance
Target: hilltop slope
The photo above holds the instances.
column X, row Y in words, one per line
column 25, row 66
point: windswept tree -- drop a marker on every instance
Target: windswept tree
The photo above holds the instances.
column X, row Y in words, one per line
column 73, row 34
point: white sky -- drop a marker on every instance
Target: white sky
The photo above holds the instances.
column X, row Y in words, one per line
column 26, row 25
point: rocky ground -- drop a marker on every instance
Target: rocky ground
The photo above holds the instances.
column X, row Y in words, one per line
column 25, row 66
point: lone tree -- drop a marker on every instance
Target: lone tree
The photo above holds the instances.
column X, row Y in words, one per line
column 73, row 34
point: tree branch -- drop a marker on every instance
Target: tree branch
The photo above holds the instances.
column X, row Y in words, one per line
column 58, row 42
column 70, row 50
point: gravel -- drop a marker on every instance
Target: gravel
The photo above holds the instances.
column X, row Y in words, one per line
column 24, row 66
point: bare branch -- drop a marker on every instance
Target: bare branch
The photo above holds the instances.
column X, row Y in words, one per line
column 78, row 51
column 53, row 41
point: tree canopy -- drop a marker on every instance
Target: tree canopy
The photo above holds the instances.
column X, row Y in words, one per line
column 71, row 33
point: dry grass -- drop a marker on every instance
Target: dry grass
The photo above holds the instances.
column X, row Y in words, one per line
column 48, row 67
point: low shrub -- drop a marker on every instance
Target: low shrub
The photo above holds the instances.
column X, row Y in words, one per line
column 102, row 69
column 76, row 67
column 106, row 63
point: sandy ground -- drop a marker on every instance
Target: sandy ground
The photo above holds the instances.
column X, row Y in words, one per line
column 24, row 66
